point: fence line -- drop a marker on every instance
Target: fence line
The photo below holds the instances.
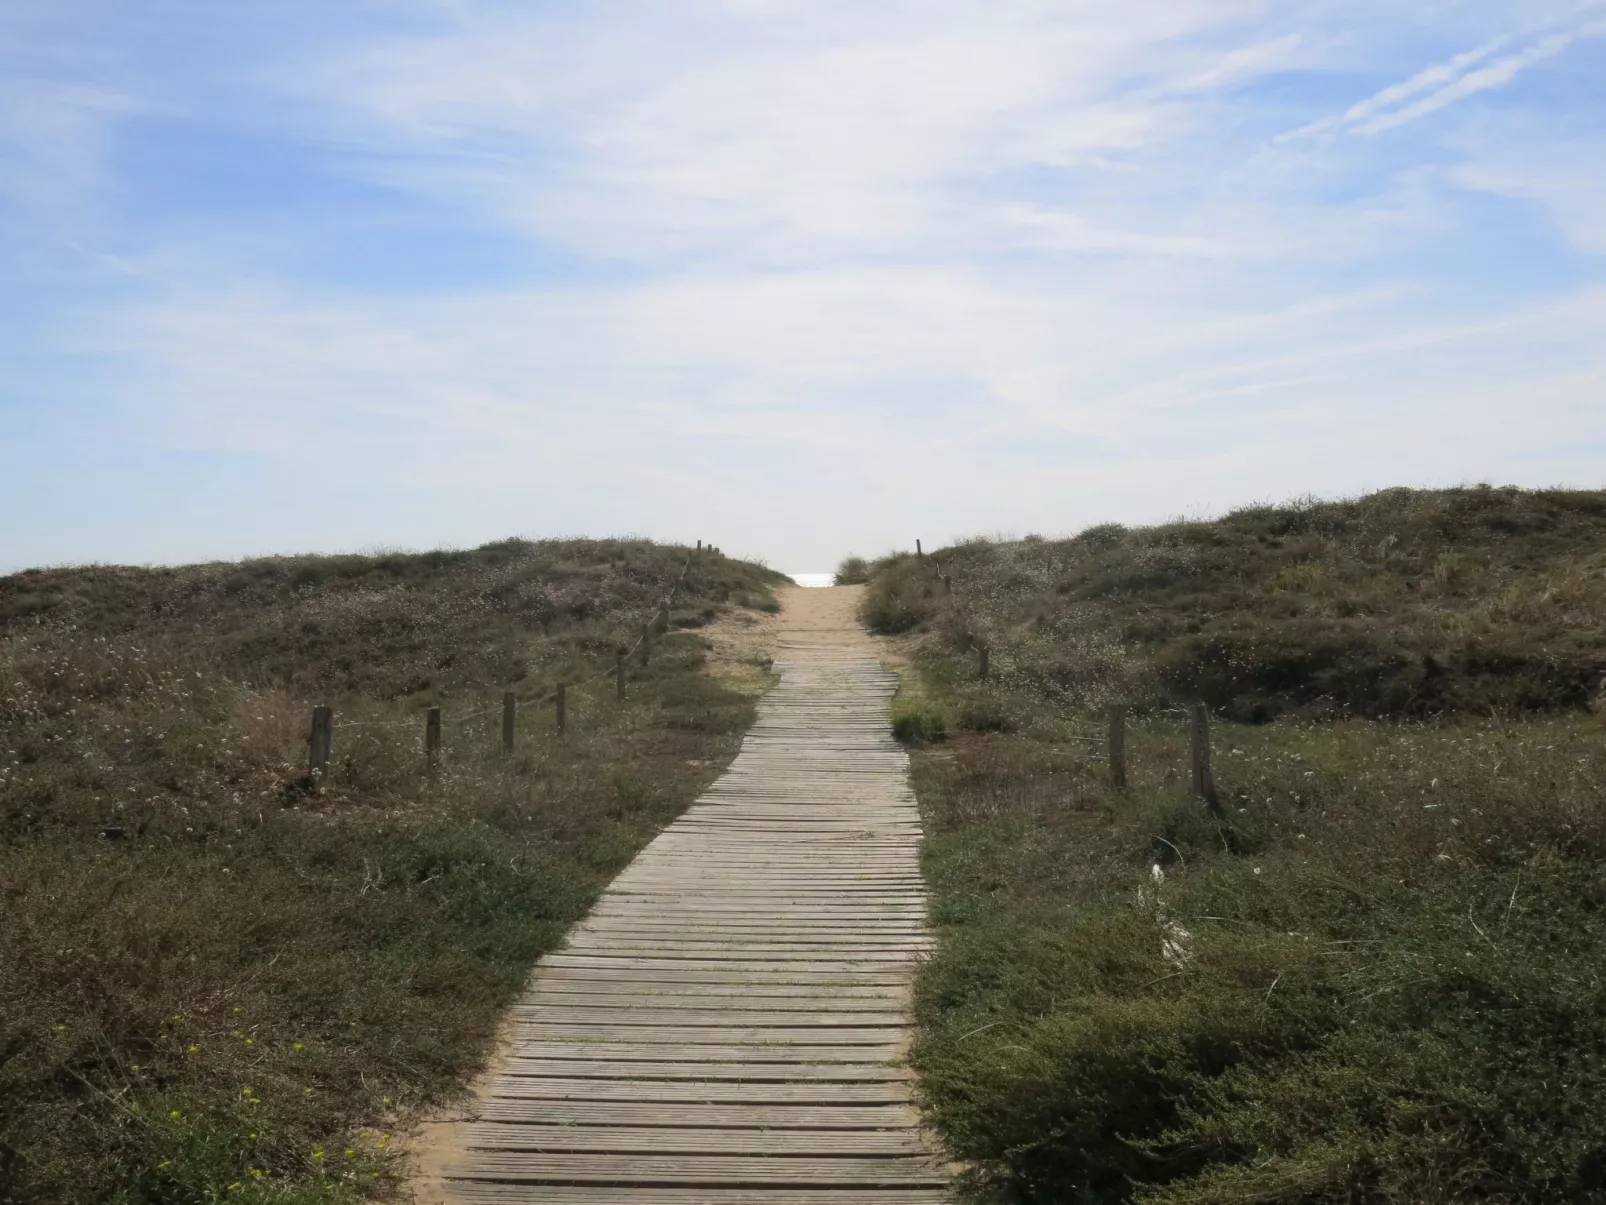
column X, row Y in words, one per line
column 1201, row 775
column 320, row 741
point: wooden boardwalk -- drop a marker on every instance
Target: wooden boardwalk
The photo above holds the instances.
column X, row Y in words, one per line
column 727, row 1026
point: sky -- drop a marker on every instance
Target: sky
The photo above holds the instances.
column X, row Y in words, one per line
column 800, row 278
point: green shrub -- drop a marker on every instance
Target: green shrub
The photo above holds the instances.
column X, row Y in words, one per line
column 1404, row 604
column 1385, row 991
column 853, row 571
column 207, row 970
column 903, row 593
column 1371, row 976
column 918, row 724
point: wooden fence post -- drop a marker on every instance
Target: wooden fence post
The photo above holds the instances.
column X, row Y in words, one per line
column 663, row 618
column 1118, row 747
column 432, row 738
column 947, row 584
column 1204, row 783
column 699, row 545
column 320, row 743
column 981, row 661
column 563, row 707
column 510, row 710
column 619, row 674
column 920, row 554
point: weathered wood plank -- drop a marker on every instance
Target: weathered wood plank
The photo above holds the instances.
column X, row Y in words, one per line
column 660, row 1140
column 489, row 1193
column 728, row 1025
column 704, row 1170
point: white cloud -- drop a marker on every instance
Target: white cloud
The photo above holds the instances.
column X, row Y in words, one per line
column 53, row 145
column 1442, row 84
column 831, row 129
column 1555, row 164
column 828, row 268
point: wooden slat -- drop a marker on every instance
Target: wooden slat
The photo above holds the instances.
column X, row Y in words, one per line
column 840, row 1035
column 705, row 1070
column 648, row 1140
column 683, row 1052
column 487, row 1193
column 798, row 1171
column 699, row 1092
column 728, row 1025
column 729, row 1117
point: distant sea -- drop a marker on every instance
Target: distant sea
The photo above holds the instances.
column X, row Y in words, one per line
column 814, row 579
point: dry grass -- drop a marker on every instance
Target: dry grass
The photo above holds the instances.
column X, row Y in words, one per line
column 1375, row 979
column 1401, row 604
column 216, row 985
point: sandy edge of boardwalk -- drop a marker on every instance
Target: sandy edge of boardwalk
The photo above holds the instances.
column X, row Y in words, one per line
column 743, row 643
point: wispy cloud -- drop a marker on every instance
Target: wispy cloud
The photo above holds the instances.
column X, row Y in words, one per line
column 809, row 271
column 1443, row 84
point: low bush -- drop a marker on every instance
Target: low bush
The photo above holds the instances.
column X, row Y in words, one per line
column 1403, row 604
column 853, row 571
column 1385, row 987
column 218, row 984
column 1372, row 974
column 918, row 724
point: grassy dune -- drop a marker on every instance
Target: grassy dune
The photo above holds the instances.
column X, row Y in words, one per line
column 218, row 985
column 1377, row 976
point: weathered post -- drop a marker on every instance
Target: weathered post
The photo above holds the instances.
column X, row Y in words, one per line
column 320, row 743
column 1204, row 783
column 432, row 738
column 663, row 618
column 619, row 674
column 920, row 553
column 699, row 545
column 563, row 707
column 510, row 710
column 1118, row 747
column 947, row 584
column 982, row 659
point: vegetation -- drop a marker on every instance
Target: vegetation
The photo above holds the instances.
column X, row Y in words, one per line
column 221, row 981
column 1403, row 604
column 853, row 571
column 1375, row 974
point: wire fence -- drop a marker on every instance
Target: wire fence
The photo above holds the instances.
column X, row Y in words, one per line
column 320, row 740
column 1114, row 736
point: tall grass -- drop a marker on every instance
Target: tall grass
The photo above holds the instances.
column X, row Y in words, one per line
column 1400, row 604
column 853, row 571
column 1376, row 978
column 217, row 985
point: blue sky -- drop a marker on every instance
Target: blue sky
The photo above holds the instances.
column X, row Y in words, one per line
column 798, row 277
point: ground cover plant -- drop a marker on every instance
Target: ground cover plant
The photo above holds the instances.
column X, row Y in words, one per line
column 218, row 983
column 1375, row 974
